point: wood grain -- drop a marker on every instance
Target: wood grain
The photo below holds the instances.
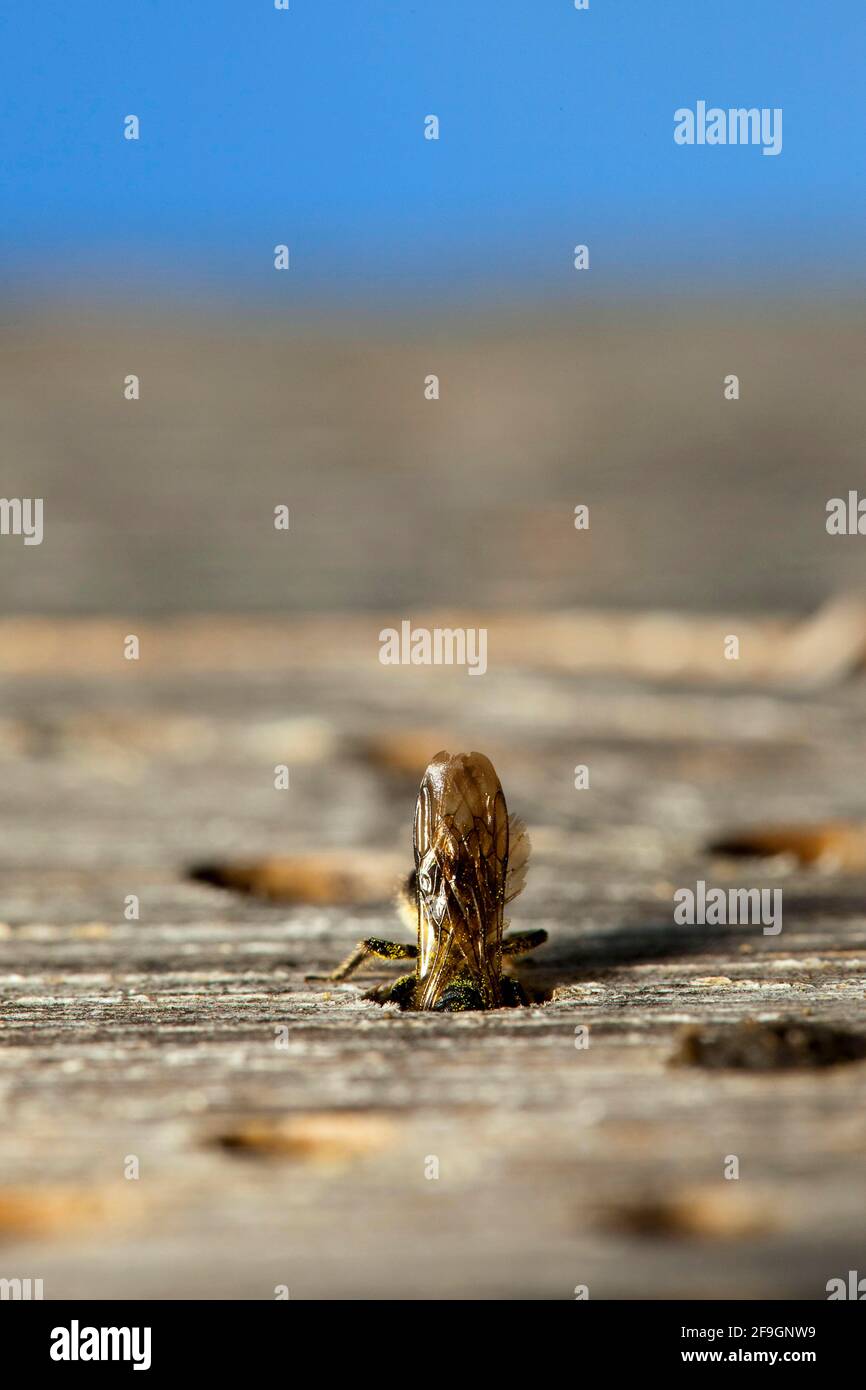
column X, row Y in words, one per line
column 284, row 1128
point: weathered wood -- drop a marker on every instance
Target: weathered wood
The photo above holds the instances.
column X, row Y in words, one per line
column 696, row 503
column 661, row 647
column 299, row 1158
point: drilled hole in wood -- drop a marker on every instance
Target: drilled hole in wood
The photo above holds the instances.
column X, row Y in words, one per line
column 339, row 877
column 787, row 1045
column 316, row 1138
column 700, row 1213
column 835, row 844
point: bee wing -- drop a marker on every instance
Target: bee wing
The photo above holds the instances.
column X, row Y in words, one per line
column 519, row 850
column 461, row 815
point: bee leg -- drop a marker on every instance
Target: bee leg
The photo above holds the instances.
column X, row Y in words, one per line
column 519, row 942
column 373, row 946
column 401, row 992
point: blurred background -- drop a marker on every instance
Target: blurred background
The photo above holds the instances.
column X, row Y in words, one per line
column 409, row 257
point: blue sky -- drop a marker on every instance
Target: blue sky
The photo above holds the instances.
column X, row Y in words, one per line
column 306, row 127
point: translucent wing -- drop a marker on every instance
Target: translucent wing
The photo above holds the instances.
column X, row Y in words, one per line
column 461, row 858
column 519, row 850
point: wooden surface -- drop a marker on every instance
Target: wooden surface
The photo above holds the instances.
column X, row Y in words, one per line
column 304, row 1165
column 165, row 504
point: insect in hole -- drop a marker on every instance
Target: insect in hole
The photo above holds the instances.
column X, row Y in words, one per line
column 470, row 860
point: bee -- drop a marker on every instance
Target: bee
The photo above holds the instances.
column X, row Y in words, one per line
column 471, row 859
